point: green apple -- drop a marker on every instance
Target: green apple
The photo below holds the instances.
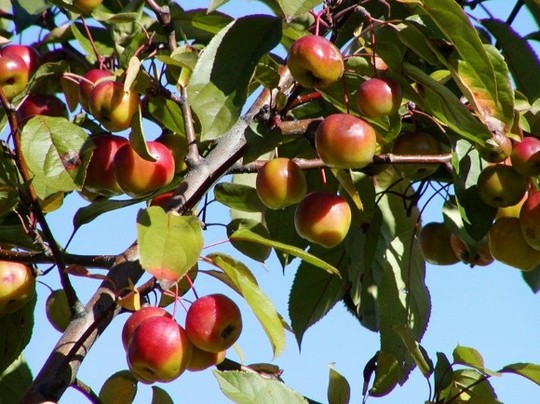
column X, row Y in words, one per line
column 57, row 310
column 416, row 144
column 280, row 183
column 499, row 185
column 213, row 323
column 434, row 243
column 529, row 219
column 314, row 61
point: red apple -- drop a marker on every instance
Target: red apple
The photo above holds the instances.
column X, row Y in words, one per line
column 161, row 199
column 478, row 255
column 17, row 286
column 100, row 178
column 178, row 146
column 529, row 219
column 136, row 319
column 14, row 75
column 88, row 82
column 85, row 6
column 41, row 104
column 417, row 144
column 378, row 97
column 280, row 183
column 158, row 350
column 28, row 54
column 137, row 176
column 500, row 185
column 315, row 61
column 323, row 218
column 213, row 323
column 525, row 157
column 201, row 360
column 113, row 107
column 344, row 141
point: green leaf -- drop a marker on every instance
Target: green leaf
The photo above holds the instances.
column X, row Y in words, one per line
column 160, row 396
column 440, row 102
column 15, row 333
column 137, row 139
column 416, row 351
column 102, row 205
column 14, row 381
column 101, row 40
column 519, row 55
column 119, row 388
column 530, row 371
column 167, row 112
column 247, row 235
column 471, row 357
column 339, row 391
column 443, row 372
column 9, row 183
column 238, row 196
column 480, row 86
column 169, row 244
column 252, row 250
column 215, row 4
column 16, row 235
column 57, row 153
column 198, row 24
column 387, row 375
column 251, row 388
column 27, row 12
column 261, row 305
column 532, row 278
column 314, row 293
column 469, row 386
column 295, row 8
column 218, row 85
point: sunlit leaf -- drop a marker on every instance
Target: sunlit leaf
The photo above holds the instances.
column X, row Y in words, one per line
column 294, row 8
column 251, row 388
column 15, row 380
column 169, row 244
column 387, row 375
column 471, row 357
column 339, row 391
column 261, row 305
column 529, row 370
column 470, row 386
column 254, row 251
column 238, row 196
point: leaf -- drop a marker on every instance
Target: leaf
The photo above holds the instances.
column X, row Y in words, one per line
column 248, row 235
column 167, row 112
column 519, row 55
column 15, row 380
column 443, row 372
column 252, row 250
column 218, row 85
column 15, row 333
column 339, row 391
column 260, row 304
column 471, row 357
column 387, row 375
column 57, row 153
column 482, row 88
column 215, row 4
column 532, row 278
column 160, row 396
column 417, row 352
column 238, row 196
column 119, row 388
column 251, row 388
column 314, row 293
column 295, row 8
column 169, row 244
column 88, row 213
column 440, row 102
column 101, row 40
column 136, row 137
column 198, row 24
column 530, row 371
column 470, row 386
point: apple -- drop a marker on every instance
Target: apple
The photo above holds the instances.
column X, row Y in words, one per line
column 28, row 54
column 178, row 146
column 434, row 243
column 161, row 199
column 57, row 310
column 136, row 319
column 85, row 6
column 14, row 75
column 137, row 176
column 529, row 219
column 158, row 350
column 201, row 360
column 478, row 255
column 525, row 157
column 500, row 185
column 323, row 218
column 17, row 286
column 41, row 104
column 345, row 141
column 88, row 82
column 314, row 61
column 416, row 144
column 100, row 178
column 280, row 183
column 512, row 210
column 213, row 323
column 497, row 149
column 378, row 97
column 507, row 245
column 113, row 107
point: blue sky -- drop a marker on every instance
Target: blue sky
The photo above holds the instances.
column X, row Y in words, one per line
column 489, row 308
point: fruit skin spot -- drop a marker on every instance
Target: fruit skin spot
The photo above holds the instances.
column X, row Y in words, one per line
column 71, row 160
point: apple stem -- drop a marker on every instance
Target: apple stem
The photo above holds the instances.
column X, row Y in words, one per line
column 176, row 299
column 188, row 279
column 323, row 178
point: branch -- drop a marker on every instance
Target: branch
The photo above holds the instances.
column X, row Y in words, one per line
column 92, row 261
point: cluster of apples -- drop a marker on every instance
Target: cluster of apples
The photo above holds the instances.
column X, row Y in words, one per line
column 514, row 236
column 17, row 286
column 158, row 349
column 341, row 140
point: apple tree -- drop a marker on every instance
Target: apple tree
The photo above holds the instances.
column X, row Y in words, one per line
column 324, row 127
